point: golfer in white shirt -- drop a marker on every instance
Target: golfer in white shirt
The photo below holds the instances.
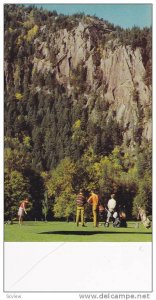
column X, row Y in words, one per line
column 111, row 207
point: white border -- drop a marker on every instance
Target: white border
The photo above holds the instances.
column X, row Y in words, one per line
column 78, row 267
column 33, row 245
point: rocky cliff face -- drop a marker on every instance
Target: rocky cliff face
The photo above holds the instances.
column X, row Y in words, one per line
column 89, row 65
column 114, row 72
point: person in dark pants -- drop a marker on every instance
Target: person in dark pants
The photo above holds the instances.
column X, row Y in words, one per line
column 80, row 201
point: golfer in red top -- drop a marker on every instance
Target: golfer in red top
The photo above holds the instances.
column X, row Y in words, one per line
column 22, row 210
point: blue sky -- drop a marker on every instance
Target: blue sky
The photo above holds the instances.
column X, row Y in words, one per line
column 125, row 15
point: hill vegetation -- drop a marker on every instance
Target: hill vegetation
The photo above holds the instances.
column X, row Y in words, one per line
column 57, row 142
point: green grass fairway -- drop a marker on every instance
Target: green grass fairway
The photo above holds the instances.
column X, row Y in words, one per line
column 68, row 232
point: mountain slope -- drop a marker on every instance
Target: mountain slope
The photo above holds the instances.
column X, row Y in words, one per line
column 71, row 82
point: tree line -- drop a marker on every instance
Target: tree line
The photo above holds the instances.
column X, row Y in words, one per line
column 53, row 193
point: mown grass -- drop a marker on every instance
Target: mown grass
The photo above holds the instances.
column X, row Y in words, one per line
column 63, row 231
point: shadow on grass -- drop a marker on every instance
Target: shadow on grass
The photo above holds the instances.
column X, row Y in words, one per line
column 91, row 232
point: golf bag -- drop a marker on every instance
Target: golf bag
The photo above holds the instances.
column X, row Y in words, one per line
column 101, row 212
column 144, row 219
column 119, row 219
column 117, row 222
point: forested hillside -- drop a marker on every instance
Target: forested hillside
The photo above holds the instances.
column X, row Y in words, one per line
column 77, row 111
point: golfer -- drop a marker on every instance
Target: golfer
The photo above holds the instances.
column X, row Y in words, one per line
column 80, row 201
column 22, row 210
column 94, row 201
column 111, row 209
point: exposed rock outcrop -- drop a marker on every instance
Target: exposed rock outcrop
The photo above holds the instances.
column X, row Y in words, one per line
column 116, row 73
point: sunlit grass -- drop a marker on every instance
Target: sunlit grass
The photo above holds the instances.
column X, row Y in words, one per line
column 69, row 232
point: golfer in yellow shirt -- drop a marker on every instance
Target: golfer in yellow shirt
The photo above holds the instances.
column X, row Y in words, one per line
column 94, row 200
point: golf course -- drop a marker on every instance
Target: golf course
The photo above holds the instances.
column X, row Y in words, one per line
column 68, row 232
